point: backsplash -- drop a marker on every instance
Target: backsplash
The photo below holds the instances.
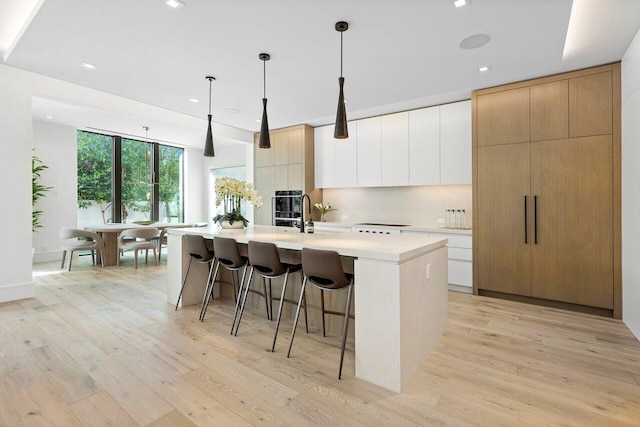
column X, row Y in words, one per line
column 422, row 205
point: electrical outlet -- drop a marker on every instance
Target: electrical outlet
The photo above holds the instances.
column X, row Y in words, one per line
column 428, row 275
column 440, row 220
column 345, row 216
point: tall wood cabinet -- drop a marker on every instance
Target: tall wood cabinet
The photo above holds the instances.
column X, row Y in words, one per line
column 287, row 165
column 546, row 191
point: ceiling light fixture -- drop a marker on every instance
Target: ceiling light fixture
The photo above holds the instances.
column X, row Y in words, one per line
column 208, row 146
column 175, row 4
column 194, row 100
column 49, row 117
column 341, row 131
column 460, row 3
column 88, row 66
column 484, row 68
column 475, row 41
column 265, row 141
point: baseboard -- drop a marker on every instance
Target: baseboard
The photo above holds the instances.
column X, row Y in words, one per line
column 47, row 256
column 16, row 292
column 461, row 288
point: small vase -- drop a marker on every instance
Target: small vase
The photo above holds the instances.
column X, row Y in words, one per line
column 322, row 218
column 235, row 225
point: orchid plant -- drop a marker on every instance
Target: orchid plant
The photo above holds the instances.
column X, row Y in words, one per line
column 230, row 192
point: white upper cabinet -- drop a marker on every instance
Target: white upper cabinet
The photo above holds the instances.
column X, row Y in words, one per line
column 345, row 159
column 455, row 143
column 395, row 149
column 424, row 146
column 323, row 156
column 369, row 156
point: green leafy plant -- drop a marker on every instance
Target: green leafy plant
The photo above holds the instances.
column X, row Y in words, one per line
column 232, row 192
column 38, row 190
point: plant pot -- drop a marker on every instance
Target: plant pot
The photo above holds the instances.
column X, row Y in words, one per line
column 235, row 225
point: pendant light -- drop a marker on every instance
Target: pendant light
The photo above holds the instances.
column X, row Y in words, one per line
column 341, row 131
column 265, row 142
column 208, row 146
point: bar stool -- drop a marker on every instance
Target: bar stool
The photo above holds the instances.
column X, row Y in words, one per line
column 197, row 249
column 324, row 270
column 228, row 256
column 265, row 260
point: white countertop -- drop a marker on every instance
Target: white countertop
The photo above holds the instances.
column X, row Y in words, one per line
column 421, row 228
column 386, row 247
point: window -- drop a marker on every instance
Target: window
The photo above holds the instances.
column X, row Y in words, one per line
column 126, row 180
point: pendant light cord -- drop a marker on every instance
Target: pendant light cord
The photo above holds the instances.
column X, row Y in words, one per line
column 264, row 78
column 341, row 53
column 210, row 81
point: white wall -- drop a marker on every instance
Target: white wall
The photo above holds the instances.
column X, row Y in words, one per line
column 56, row 145
column 631, row 186
column 398, row 205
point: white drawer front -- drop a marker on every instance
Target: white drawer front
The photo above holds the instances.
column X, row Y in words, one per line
column 463, row 254
column 460, row 273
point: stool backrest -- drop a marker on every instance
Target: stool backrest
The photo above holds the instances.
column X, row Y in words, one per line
column 226, row 250
column 265, row 258
column 141, row 233
column 324, row 268
column 197, row 247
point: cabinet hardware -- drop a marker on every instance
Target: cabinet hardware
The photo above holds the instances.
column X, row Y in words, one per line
column 526, row 226
column 535, row 219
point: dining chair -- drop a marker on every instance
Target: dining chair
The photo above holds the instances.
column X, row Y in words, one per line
column 93, row 244
column 142, row 240
column 323, row 269
column 265, row 261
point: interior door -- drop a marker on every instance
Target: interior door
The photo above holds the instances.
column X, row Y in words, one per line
column 504, row 226
column 572, row 257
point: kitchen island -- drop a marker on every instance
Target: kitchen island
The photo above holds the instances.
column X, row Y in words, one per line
column 400, row 291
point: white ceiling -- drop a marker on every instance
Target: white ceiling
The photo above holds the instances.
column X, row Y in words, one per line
column 398, row 54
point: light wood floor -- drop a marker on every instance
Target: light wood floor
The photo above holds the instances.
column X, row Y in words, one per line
column 102, row 347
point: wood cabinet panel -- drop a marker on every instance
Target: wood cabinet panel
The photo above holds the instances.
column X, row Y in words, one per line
column 323, row 156
column 503, row 258
column 455, row 143
column 503, row 117
column 281, row 174
column 369, row 152
column 280, row 147
column 550, row 111
column 395, row 149
column 294, row 177
column 573, row 257
column 424, row 146
column 265, row 186
column 591, row 105
column 262, row 156
column 294, row 146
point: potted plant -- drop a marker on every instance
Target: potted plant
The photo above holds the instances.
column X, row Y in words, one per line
column 38, row 190
column 231, row 192
column 323, row 210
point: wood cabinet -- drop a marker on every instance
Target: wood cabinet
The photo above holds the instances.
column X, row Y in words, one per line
column 546, row 206
column 323, row 156
column 287, row 165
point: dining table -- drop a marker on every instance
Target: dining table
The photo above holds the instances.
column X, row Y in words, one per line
column 109, row 233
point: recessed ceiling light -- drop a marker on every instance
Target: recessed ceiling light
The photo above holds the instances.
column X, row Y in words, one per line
column 258, row 120
column 484, row 68
column 232, row 110
column 89, row 66
column 49, row 117
column 194, row 100
column 475, row 41
column 460, row 3
column 176, row 4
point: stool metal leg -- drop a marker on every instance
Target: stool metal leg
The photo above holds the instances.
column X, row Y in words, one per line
column 295, row 321
column 306, row 316
column 211, row 281
column 184, row 281
column 284, row 288
column 270, row 301
column 244, row 300
column 266, row 296
column 346, row 327
column 239, row 296
column 324, row 332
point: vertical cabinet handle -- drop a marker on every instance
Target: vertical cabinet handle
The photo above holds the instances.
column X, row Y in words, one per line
column 535, row 219
column 526, row 226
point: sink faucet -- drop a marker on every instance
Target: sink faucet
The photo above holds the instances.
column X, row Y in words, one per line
column 302, row 212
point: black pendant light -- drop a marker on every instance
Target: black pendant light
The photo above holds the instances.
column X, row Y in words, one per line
column 341, row 131
column 208, row 145
column 265, row 142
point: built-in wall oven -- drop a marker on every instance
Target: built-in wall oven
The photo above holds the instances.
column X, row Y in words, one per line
column 286, row 208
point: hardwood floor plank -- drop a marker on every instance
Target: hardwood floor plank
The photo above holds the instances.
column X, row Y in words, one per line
column 101, row 410
column 40, row 404
column 172, row 419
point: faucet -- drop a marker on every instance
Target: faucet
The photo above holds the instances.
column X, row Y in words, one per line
column 302, row 211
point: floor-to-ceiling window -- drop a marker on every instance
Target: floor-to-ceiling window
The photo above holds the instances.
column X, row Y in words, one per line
column 127, row 180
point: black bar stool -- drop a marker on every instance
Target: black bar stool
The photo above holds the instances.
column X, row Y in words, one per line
column 197, row 249
column 228, row 256
column 324, row 270
column 265, row 260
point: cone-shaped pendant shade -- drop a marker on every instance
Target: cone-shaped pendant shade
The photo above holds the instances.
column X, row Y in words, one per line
column 341, row 131
column 208, row 145
column 265, row 142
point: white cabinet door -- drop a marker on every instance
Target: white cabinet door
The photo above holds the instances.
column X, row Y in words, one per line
column 424, row 146
column 323, row 156
column 345, row 159
column 395, row 149
column 369, row 152
column 455, row 143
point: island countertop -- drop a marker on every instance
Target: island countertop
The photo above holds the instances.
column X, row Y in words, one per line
column 384, row 247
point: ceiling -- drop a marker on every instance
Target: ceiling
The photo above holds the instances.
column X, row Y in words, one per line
column 398, row 54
